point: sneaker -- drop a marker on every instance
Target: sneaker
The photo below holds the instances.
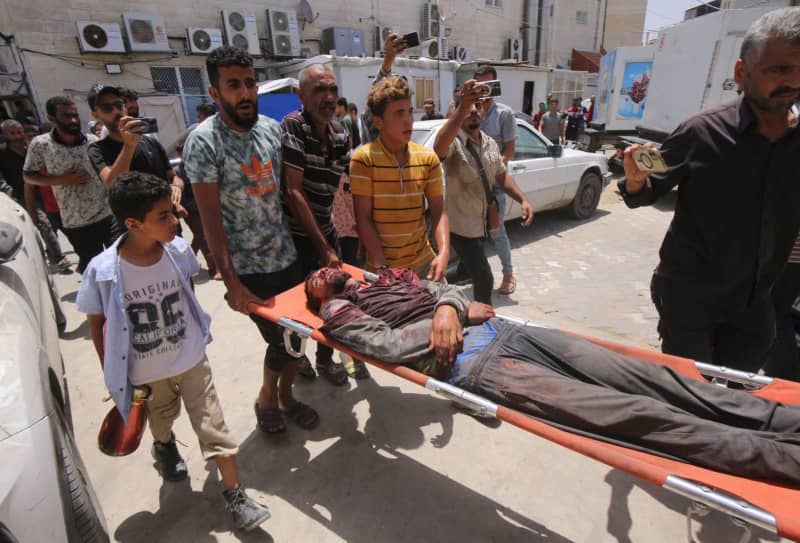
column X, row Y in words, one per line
column 168, row 461
column 247, row 514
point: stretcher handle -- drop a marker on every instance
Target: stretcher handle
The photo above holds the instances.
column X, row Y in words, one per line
column 729, row 374
column 294, row 328
column 724, row 502
column 473, row 402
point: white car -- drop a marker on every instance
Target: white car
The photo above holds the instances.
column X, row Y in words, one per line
column 574, row 180
column 45, row 494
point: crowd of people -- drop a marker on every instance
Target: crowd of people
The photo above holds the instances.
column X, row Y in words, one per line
column 270, row 203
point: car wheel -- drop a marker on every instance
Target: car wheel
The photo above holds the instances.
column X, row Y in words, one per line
column 82, row 510
column 587, row 197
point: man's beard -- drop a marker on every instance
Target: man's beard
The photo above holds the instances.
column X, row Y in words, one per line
column 769, row 103
column 242, row 121
column 474, row 125
column 71, row 129
column 339, row 281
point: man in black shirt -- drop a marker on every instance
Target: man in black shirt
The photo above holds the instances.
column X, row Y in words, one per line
column 738, row 209
column 125, row 148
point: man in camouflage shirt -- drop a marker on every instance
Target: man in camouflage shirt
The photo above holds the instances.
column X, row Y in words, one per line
column 234, row 162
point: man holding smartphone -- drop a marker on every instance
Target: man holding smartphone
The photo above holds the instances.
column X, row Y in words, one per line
column 738, row 208
column 125, row 149
column 393, row 46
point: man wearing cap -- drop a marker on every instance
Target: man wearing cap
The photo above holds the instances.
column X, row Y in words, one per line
column 125, row 149
column 430, row 111
column 60, row 159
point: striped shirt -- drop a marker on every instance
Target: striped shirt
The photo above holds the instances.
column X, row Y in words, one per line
column 322, row 166
column 794, row 256
column 398, row 199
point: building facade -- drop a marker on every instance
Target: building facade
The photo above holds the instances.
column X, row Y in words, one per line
column 172, row 79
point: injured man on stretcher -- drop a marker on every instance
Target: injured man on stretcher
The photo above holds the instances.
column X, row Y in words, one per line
column 556, row 377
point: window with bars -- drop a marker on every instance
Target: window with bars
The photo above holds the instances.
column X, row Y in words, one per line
column 424, row 88
column 188, row 83
column 582, row 16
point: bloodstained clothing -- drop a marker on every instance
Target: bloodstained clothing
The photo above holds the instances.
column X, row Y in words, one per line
column 572, row 382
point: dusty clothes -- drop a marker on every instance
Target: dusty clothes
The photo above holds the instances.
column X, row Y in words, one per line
column 577, row 384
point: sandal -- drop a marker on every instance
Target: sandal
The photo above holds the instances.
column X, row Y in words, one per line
column 358, row 370
column 508, row 286
column 270, row 419
column 302, row 415
column 334, row 372
column 304, row 369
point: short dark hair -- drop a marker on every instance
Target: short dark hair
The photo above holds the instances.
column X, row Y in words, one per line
column 206, row 109
column 128, row 94
column 133, row 194
column 342, row 101
column 429, row 101
column 51, row 106
column 352, row 108
column 483, row 70
column 223, row 57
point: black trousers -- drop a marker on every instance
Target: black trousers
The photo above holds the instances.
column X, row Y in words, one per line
column 350, row 251
column 267, row 285
column 90, row 240
column 309, row 261
column 692, row 327
column 470, row 251
column 578, row 384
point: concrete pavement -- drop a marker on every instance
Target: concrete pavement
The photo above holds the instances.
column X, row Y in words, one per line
column 389, row 461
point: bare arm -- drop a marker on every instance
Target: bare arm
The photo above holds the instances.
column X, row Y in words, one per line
column 362, row 205
column 69, row 178
column 208, row 204
column 450, row 130
column 510, row 187
column 30, row 202
column 301, row 210
column 441, row 233
column 96, row 323
column 509, row 148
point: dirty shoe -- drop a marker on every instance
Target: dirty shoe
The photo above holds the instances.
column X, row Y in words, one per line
column 168, row 461
column 247, row 514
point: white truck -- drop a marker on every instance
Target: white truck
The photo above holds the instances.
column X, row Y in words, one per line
column 692, row 70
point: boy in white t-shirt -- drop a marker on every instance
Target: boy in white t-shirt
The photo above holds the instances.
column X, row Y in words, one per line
column 140, row 290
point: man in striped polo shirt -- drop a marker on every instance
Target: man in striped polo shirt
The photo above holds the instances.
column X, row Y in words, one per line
column 391, row 179
column 315, row 148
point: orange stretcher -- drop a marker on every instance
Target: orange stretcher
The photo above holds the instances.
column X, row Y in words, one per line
column 773, row 507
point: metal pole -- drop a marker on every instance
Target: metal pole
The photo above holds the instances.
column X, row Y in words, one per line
column 12, row 43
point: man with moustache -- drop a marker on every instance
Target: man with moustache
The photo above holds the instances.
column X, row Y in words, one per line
column 234, row 161
column 315, row 149
column 473, row 165
column 738, row 208
column 60, row 159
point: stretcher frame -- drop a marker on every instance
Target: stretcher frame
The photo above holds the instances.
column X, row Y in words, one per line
column 702, row 496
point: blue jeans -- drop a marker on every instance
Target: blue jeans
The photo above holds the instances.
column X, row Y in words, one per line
column 783, row 360
column 499, row 236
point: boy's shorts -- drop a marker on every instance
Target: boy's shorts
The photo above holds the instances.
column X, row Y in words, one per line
column 196, row 387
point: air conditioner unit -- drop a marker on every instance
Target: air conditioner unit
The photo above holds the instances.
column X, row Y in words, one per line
column 241, row 31
column 145, row 33
column 434, row 48
column 346, row 41
column 514, row 49
column 381, row 32
column 430, row 20
column 203, row 40
column 96, row 37
column 461, row 54
column 284, row 36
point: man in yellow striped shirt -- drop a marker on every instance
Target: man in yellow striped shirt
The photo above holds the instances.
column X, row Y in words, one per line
column 391, row 178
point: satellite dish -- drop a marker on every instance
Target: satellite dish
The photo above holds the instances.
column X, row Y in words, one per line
column 306, row 13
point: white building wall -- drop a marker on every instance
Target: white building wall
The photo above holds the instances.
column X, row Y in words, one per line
column 46, row 29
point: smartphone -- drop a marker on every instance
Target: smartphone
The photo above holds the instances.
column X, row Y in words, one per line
column 149, row 124
column 411, row 39
column 649, row 159
column 490, row 89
